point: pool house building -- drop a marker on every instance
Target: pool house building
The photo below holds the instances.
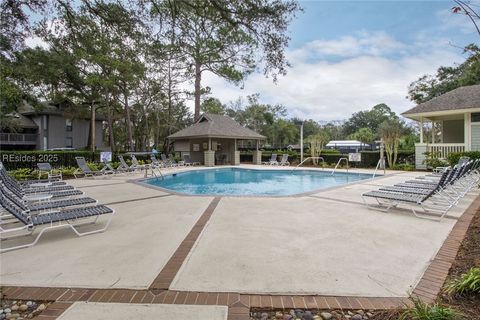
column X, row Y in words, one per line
column 453, row 121
column 213, row 139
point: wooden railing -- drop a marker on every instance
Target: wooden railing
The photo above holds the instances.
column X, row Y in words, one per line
column 18, row 138
column 443, row 149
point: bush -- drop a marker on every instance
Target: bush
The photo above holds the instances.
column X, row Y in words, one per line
column 29, row 174
column 467, row 283
column 432, row 160
column 423, row 311
column 58, row 159
column 404, row 167
column 453, row 157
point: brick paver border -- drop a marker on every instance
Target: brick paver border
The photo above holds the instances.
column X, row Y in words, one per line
column 239, row 305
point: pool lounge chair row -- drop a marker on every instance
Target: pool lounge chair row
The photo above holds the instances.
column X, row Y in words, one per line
column 84, row 170
column 434, row 195
column 26, row 206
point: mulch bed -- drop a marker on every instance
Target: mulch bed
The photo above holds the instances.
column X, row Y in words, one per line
column 468, row 256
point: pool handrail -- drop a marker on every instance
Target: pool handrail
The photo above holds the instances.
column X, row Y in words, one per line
column 338, row 163
column 318, row 158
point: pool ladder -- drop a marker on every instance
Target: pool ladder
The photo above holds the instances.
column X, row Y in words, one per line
column 338, row 163
column 153, row 173
column 312, row 158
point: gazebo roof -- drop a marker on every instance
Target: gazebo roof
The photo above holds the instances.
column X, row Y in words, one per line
column 458, row 99
column 216, row 126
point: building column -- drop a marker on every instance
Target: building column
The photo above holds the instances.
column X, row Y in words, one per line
column 433, row 131
column 466, row 132
column 257, row 155
column 421, row 130
column 209, row 155
column 236, row 154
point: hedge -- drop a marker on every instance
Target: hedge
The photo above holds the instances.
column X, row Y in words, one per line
column 58, row 159
column 13, row 160
column 453, row 157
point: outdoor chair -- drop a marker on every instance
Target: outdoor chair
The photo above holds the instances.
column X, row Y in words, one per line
column 32, row 188
column 70, row 218
column 155, row 163
column 108, row 168
column 284, row 160
column 45, row 167
column 135, row 165
column 124, row 167
column 188, row 161
column 167, row 163
column 45, row 205
column 172, row 160
column 273, row 160
column 84, row 170
column 428, row 201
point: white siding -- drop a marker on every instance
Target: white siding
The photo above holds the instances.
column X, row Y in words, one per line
column 475, row 135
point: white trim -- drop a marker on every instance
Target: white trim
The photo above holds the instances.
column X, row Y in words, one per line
column 417, row 116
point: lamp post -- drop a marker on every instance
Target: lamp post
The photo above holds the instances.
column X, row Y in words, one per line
column 301, row 142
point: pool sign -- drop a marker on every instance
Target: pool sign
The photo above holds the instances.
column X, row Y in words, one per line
column 355, row 157
column 106, row 155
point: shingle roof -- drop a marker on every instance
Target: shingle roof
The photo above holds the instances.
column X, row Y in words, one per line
column 215, row 125
column 460, row 98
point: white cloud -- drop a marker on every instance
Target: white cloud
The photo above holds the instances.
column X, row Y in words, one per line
column 365, row 73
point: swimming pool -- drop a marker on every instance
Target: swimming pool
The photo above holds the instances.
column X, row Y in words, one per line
column 239, row 181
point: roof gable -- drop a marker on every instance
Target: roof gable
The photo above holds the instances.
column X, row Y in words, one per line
column 461, row 98
column 215, row 125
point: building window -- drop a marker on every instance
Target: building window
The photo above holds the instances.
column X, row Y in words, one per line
column 68, row 124
column 476, row 117
column 68, row 142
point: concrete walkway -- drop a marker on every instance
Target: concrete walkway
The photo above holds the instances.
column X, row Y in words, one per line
column 123, row 311
column 324, row 243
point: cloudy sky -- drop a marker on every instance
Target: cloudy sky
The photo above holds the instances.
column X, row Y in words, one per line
column 347, row 56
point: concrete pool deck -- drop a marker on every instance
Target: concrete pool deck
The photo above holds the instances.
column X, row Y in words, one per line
column 326, row 243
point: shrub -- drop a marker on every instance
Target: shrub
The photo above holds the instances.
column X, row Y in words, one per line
column 423, row 311
column 467, row 283
column 455, row 156
column 432, row 160
column 404, row 167
column 29, row 174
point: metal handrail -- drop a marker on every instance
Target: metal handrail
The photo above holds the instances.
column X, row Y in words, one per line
column 380, row 161
column 338, row 163
column 318, row 158
column 153, row 174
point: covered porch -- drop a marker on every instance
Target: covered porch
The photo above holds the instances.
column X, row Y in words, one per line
column 213, row 140
column 448, row 123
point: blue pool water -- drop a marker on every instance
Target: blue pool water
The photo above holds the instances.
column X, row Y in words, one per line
column 237, row 181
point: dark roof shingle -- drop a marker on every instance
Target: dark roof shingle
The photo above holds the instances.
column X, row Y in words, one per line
column 461, row 98
column 215, row 125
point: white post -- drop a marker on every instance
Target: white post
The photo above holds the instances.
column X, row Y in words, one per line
column 433, row 131
column 301, row 143
column 421, row 130
column 466, row 129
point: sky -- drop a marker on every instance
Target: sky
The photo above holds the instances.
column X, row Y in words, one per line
column 348, row 56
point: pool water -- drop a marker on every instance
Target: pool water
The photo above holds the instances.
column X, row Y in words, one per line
column 238, row 181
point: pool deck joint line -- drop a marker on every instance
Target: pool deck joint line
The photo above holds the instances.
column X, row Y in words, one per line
column 170, row 270
column 239, row 305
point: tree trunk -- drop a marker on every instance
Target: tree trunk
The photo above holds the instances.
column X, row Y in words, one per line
column 198, row 79
column 91, row 138
column 111, row 136
column 128, row 122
